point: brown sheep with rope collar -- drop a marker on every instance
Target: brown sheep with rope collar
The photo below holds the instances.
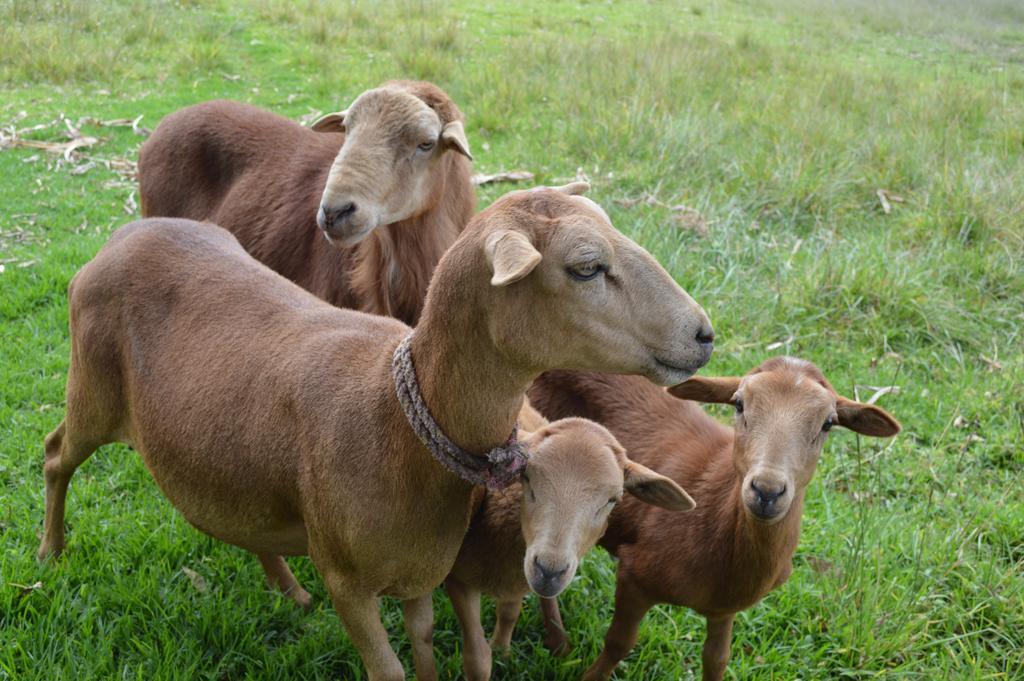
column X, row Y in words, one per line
column 270, row 418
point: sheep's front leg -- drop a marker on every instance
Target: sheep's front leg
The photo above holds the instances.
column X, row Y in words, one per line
column 630, row 607
column 418, row 614
column 508, row 615
column 476, row 654
column 280, row 576
column 555, row 638
column 715, row 656
column 360, row 613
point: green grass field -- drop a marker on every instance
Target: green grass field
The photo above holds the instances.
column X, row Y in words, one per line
column 776, row 122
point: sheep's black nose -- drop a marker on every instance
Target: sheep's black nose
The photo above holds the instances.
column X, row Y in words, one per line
column 547, row 573
column 705, row 335
column 332, row 216
column 766, row 494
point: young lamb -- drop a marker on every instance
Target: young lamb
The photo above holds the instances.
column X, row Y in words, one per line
column 748, row 481
column 377, row 181
column 533, row 534
column 281, row 424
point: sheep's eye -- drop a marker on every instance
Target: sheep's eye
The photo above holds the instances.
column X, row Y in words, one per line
column 607, row 507
column 827, row 426
column 739, row 405
column 586, row 272
column 426, row 146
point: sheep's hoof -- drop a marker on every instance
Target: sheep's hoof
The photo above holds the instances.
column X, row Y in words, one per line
column 301, row 598
column 559, row 645
column 47, row 552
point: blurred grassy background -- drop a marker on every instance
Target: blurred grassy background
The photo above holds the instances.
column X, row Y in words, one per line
column 744, row 143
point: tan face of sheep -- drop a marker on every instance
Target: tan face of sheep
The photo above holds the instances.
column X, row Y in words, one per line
column 387, row 169
column 784, row 411
column 576, row 474
column 603, row 300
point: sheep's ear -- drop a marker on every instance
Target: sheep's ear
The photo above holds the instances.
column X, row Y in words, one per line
column 453, row 136
column 574, row 188
column 866, row 419
column 655, row 489
column 332, row 122
column 703, row 389
column 511, row 255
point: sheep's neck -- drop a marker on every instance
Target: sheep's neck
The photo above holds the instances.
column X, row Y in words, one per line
column 400, row 259
column 397, row 260
column 472, row 392
column 762, row 553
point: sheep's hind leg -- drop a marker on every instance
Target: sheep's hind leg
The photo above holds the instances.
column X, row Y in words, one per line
column 64, row 454
column 281, row 577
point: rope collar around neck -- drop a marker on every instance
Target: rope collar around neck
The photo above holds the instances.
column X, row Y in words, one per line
column 499, row 468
